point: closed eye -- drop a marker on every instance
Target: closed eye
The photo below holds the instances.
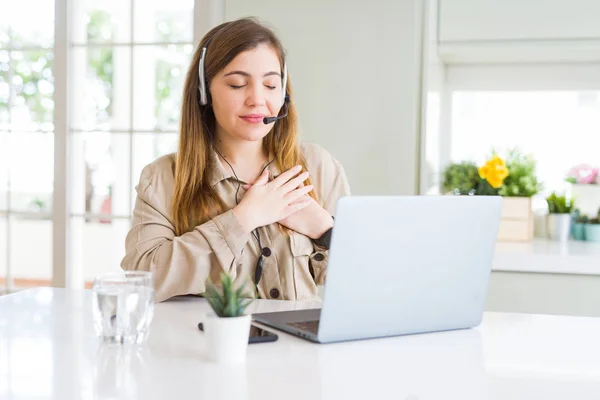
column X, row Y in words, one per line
column 236, row 86
column 271, row 87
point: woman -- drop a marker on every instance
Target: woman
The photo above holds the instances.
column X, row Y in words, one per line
column 240, row 195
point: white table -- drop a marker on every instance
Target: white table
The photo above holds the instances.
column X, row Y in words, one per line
column 48, row 350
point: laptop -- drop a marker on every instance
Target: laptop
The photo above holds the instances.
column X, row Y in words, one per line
column 401, row 265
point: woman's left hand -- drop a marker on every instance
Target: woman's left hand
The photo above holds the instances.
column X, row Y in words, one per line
column 312, row 221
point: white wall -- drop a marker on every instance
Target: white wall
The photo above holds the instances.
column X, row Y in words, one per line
column 493, row 20
column 509, row 31
column 356, row 72
column 550, row 76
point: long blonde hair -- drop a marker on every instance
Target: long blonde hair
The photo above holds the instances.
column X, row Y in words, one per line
column 195, row 201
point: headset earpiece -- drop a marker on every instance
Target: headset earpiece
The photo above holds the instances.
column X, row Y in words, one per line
column 284, row 95
column 202, row 85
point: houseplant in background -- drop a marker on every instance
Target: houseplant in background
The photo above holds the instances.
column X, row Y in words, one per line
column 465, row 178
column 592, row 229
column 461, row 178
column 522, row 181
column 492, row 174
column 585, row 186
column 579, row 225
column 227, row 330
column 518, row 188
column 515, row 180
column 559, row 217
column 583, row 174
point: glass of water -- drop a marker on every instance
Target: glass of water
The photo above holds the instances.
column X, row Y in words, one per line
column 123, row 306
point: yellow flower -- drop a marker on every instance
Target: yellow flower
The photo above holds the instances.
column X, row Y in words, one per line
column 494, row 171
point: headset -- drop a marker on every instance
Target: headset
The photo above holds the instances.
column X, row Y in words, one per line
column 285, row 99
column 204, row 92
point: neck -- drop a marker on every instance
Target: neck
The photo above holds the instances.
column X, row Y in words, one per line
column 241, row 152
column 246, row 157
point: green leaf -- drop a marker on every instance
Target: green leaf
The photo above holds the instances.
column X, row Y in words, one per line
column 485, row 189
column 228, row 302
column 522, row 180
column 214, row 298
column 245, row 305
column 560, row 204
column 231, row 305
column 213, row 301
column 240, row 292
column 461, row 178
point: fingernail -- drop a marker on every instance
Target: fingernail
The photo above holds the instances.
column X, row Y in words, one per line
column 298, row 167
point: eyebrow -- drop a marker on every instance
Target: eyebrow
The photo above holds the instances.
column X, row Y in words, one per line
column 248, row 75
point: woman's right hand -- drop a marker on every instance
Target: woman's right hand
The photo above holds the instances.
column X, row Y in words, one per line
column 268, row 202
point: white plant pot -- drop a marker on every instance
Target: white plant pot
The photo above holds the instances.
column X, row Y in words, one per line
column 227, row 338
column 559, row 227
column 516, row 224
column 587, row 198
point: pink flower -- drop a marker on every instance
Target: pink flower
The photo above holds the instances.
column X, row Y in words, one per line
column 584, row 173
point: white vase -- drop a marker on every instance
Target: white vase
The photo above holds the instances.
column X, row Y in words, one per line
column 559, row 227
column 227, row 338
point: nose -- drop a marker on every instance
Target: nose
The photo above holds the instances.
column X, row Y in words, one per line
column 255, row 96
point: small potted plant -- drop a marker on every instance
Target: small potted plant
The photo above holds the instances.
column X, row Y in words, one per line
column 227, row 330
column 592, row 229
column 579, row 225
column 585, row 186
column 559, row 217
column 517, row 190
column 583, row 174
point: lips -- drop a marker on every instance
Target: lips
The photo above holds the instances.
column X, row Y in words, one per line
column 253, row 118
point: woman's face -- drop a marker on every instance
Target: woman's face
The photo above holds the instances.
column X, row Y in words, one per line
column 245, row 91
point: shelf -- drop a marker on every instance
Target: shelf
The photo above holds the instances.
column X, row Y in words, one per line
column 546, row 256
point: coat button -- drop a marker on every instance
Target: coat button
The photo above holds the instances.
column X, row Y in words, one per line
column 319, row 257
column 266, row 251
column 274, row 293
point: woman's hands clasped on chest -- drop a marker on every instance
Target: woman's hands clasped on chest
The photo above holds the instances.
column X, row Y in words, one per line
column 307, row 216
column 268, row 202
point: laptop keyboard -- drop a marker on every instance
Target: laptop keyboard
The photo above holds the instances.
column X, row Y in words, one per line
column 310, row 326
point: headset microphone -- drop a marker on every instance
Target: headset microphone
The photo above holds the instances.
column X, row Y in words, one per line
column 270, row 120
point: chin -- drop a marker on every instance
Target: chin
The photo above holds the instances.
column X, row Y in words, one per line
column 252, row 135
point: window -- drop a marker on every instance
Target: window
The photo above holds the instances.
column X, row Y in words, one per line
column 125, row 113
column 26, row 142
column 560, row 128
column 549, row 110
column 127, row 65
